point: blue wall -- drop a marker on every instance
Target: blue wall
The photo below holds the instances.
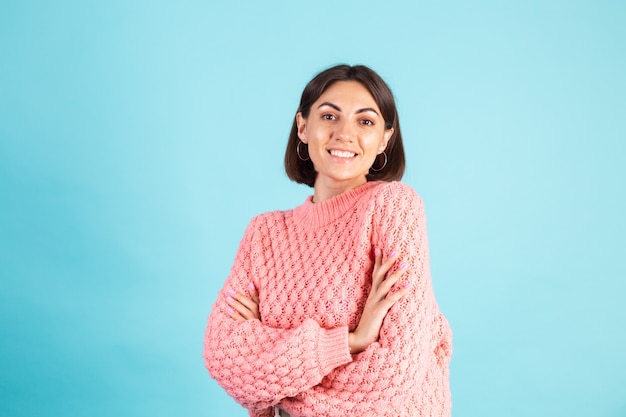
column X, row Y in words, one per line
column 137, row 139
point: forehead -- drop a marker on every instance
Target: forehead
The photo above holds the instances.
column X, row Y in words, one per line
column 347, row 93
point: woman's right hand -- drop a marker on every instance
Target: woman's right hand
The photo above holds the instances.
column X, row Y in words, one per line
column 379, row 301
column 241, row 307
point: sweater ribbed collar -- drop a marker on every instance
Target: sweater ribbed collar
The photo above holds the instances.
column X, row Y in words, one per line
column 314, row 215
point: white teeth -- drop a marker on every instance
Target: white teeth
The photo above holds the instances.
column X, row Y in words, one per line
column 342, row 154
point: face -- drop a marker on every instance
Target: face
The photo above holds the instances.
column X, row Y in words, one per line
column 344, row 131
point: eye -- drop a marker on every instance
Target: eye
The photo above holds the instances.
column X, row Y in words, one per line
column 367, row 122
column 328, row 116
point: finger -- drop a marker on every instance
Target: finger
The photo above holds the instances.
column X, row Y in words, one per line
column 247, row 302
column 254, row 294
column 247, row 307
column 243, row 310
column 382, row 268
column 397, row 295
column 378, row 257
column 389, row 262
column 391, row 279
column 244, row 300
column 234, row 314
column 377, row 274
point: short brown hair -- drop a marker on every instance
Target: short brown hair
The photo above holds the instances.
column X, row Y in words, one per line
column 303, row 172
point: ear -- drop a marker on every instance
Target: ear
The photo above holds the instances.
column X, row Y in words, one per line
column 301, row 123
column 386, row 137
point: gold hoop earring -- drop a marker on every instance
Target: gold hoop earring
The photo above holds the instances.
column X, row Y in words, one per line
column 298, row 152
column 384, row 164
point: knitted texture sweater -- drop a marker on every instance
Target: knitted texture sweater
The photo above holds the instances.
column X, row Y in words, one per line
column 312, row 267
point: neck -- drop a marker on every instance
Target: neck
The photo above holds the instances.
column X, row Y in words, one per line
column 323, row 190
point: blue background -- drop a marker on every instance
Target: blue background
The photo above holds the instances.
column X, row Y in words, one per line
column 137, row 139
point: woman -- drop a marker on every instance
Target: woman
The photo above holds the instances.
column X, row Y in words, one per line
column 329, row 309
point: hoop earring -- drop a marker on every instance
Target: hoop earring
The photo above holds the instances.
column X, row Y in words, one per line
column 382, row 167
column 300, row 156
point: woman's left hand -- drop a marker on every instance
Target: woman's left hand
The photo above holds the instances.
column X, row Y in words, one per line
column 241, row 307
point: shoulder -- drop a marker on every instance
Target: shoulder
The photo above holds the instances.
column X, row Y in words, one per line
column 398, row 215
column 397, row 205
column 269, row 216
column 268, row 220
column 395, row 194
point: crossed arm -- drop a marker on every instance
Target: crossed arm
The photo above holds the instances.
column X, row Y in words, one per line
column 397, row 332
column 379, row 301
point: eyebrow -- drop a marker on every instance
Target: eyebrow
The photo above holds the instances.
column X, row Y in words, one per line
column 334, row 106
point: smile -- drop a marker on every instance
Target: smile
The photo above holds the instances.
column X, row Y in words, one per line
column 342, row 154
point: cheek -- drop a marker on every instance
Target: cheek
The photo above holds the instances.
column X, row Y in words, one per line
column 316, row 149
column 318, row 138
column 316, row 156
column 375, row 141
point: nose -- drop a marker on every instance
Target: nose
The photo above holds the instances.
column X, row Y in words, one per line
column 345, row 131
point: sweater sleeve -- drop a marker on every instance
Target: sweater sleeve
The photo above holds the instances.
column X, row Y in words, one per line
column 390, row 370
column 259, row 365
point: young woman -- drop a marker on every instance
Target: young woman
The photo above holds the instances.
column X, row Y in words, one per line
column 329, row 308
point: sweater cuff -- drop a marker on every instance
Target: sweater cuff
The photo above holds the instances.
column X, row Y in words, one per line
column 334, row 349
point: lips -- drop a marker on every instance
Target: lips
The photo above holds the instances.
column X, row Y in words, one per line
column 342, row 154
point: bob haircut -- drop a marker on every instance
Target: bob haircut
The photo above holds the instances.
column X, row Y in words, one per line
column 303, row 172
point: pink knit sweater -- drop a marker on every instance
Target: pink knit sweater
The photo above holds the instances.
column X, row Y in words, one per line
column 312, row 267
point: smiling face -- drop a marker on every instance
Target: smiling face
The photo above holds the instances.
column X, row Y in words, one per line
column 344, row 131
